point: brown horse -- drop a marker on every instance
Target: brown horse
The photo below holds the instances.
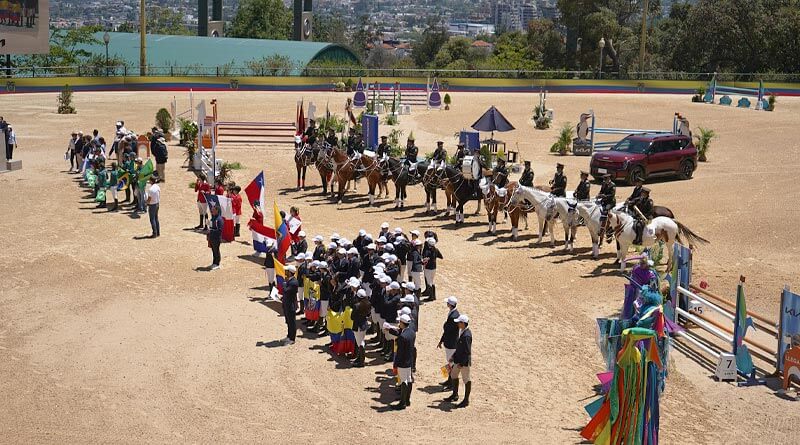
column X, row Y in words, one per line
column 495, row 203
column 304, row 157
column 344, row 170
column 371, row 169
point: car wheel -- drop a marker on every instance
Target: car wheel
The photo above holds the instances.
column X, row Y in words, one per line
column 636, row 172
column 686, row 169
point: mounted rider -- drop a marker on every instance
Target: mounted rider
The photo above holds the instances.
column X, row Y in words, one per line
column 606, row 199
column 382, row 155
column 558, row 185
column 461, row 152
column 500, row 173
column 355, row 147
column 643, row 209
column 439, row 158
column 527, row 175
column 412, row 151
column 636, row 193
column 582, row 191
column 332, row 139
column 310, row 135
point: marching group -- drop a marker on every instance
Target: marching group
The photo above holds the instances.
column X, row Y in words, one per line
column 377, row 283
column 89, row 156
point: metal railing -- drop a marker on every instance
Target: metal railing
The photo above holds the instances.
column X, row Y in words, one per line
column 262, row 70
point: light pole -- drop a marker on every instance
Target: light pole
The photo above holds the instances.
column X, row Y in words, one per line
column 602, row 45
column 106, row 39
column 578, row 56
column 142, row 42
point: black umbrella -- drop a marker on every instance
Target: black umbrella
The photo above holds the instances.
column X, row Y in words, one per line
column 492, row 120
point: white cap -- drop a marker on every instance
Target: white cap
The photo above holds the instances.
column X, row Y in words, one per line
column 361, row 293
column 452, row 301
column 300, row 256
column 301, row 234
column 290, row 268
column 371, row 246
column 398, row 230
column 417, row 242
column 341, row 251
column 382, row 239
column 362, row 232
column 393, row 257
column 404, row 319
column 415, row 232
column 394, row 285
column 379, row 266
column 407, row 299
column 399, row 238
column 341, row 241
column 389, row 247
column 318, row 238
column 309, row 257
column 332, row 245
column 354, row 282
column 386, row 279
column 323, row 264
column 431, row 241
column 462, row 319
column 404, row 311
column 353, row 251
column 384, row 225
column 335, row 236
column 385, row 256
column 410, row 286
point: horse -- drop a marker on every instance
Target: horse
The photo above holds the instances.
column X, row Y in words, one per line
column 304, row 156
column 660, row 228
column 344, row 170
column 402, row 178
column 657, row 211
column 543, row 205
column 325, row 166
column 463, row 190
column 496, row 199
column 431, row 181
column 371, row 170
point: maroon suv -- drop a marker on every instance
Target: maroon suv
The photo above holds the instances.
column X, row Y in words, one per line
column 645, row 156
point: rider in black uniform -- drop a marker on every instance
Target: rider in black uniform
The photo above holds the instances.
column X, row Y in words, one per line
column 500, row 173
column 383, row 148
column 311, row 132
column 607, row 199
column 439, row 155
column 460, row 153
column 411, row 156
column 353, row 144
column 582, row 191
column 636, row 193
column 331, row 139
column 558, row 185
column 645, row 206
column 527, row 175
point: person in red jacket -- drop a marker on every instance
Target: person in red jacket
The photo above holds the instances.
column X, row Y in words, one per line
column 219, row 187
column 236, row 206
column 202, row 187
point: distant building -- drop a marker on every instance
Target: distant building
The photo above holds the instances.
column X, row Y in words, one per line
column 470, row 29
column 483, row 46
column 514, row 15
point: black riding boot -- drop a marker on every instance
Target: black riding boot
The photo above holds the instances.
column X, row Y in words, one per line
column 402, row 403
column 116, row 205
column 408, row 394
column 200, row 225
column 465, row 403
column 359, row 361
column 432, row 294
column 453, row 397
column 236, row 230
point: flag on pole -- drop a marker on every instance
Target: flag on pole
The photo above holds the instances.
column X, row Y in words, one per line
column 294, row 224
column 145, row 173
column 301, row 121
column 280, row 275
column 261, row 234
column 282, row 234
column 226, row 211
column 255, row 192
column 123, row 181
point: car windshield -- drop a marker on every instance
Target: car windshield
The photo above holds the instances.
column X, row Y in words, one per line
column 630, row 145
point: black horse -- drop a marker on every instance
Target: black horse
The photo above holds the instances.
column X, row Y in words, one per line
column 432, row 181
column 402, row 178
column 464, row 190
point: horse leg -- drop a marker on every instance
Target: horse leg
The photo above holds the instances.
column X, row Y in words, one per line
column 433, row 194
column 403, row 197
column 299, row 169
column 525, row 217
column 427, row 201
column 541, row 230
column 514, row 224
column 303, row 180
column 396, row 196
column 478, row 210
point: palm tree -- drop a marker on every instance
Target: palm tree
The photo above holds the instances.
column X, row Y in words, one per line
column 704, row 137
column 564, row 139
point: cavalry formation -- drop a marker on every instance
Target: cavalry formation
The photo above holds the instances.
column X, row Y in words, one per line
column 466, row 179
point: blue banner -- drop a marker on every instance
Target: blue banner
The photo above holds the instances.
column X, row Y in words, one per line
column 369, row 128
column 789, row 323
column 471, row 141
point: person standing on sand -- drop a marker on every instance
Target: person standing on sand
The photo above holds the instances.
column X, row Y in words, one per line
column 449, row 333
column 153, row 201
column 215, row 225
column 289, row 304
column 461, row 362
column 406, row 337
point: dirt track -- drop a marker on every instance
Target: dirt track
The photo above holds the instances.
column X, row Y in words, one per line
column 105, row 338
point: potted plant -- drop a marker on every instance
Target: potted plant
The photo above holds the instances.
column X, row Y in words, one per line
column 65, row 101
column 704, row 137
column 164, row 122
column 699, row 95
column 541, row 119
column 562, row 144
column 771, row 101
column 447, row 101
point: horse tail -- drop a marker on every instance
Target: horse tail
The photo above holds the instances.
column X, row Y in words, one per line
column 687, row 234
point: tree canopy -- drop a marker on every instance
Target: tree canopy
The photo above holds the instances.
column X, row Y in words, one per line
column 261, row 19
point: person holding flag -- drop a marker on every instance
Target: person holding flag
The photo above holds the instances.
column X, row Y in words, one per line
column 289, row 304
column 144, row 173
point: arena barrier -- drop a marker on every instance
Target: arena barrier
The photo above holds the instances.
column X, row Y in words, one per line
column 714, row 88
column 387, row 95
column 185, row 114
column 246, row 133
column 718, row 327
column 586, row 141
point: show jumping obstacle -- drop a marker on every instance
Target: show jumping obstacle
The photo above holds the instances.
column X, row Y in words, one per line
column 586, row 142
column 727, row 91
column 255, row 133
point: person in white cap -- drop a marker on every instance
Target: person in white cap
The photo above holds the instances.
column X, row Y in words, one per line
column 368, row 261
column 325, row 293
column 360, row 316
column 461, row 361
column 392, row 267
column 269, row 263
column 429, row 255
column 376, row 300
column 301, row 246
column 400, row 246
column 353, row 263
column 449, row 333
column 290, row 304
column 391, row 300
column 319, row 249
column 406, row 338
column 360, row 242
column 415, row 267
column 384, row 231
column 409, row 301
column 300, row 258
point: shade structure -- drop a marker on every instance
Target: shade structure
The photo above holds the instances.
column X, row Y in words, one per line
column 492, row 120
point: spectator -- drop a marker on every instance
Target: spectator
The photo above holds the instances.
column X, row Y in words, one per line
column 215, row 236
column 153, row 200
column 11, row 142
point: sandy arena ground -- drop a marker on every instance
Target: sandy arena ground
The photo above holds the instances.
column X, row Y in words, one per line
column 105, row 338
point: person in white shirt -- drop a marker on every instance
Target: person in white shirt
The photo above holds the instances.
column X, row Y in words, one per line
column 11, row 142
column 153, row 200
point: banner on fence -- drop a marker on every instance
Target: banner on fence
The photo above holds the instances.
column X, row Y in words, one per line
column 789, row 324
column 369, row 127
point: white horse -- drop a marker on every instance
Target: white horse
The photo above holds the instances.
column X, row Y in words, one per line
column 542, row 204
column 590, row 212
column 567, row 211
column 660, row 228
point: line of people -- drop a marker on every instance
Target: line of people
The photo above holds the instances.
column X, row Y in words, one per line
column 348, row 289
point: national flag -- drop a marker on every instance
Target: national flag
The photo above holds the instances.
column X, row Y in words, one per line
column 301, row 121
column 123, row 181
column 280, row 275
column 282, row 234
column 145, row 173
column 226, row 211
column 742, row 321
column 294, row 225
column 340, row 328
column 255, row 192
column 311, row 297
column 261, row 234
